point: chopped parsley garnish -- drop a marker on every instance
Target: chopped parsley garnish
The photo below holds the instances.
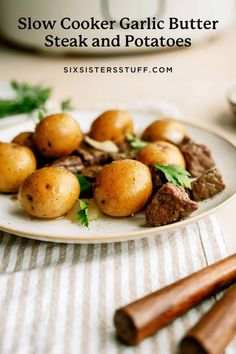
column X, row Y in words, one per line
column 82, row 214
column 67, row 105
column 85, row 184
column 136, row 143
column 175, row 174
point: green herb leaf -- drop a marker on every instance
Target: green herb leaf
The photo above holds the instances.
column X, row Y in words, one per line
column 82, row 215
column 136, row 143
column 66, row 105
column 28, row 99
column 41, row 115
column 176, row 175
column 85, row 184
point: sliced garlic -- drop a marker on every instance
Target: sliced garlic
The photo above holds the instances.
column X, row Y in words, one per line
column 107, row 146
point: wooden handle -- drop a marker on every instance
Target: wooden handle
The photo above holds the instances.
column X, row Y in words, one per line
column 144, row 317
column 216, row 328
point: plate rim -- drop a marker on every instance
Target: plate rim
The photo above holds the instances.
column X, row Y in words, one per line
column 125, row 236
column 120, row 237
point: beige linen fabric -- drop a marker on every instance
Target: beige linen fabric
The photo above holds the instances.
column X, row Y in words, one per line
column 59, row 298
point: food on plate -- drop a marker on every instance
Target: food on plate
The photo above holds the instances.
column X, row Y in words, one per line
column 25, row 139
column 197, row 156
column 207, row 185
column 16, row 163
column 57, row 135
column 161, row 152
column 122, row 173
column 49, row 192
column 135, row 142
column 73, row 163
column 112, row 125
column 91, row 156
column 158, row 179
column 107, row 145
column 85, row 157
column 175, row 174
column 169, row 204
column 122, row 188
column 91, row 172
column 165, row 129
column 126, row 148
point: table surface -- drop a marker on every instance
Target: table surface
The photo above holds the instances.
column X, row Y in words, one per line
column 201, row 77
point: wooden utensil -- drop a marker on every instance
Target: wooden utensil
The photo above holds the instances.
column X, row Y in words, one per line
column 216, row 328
column 144, row 317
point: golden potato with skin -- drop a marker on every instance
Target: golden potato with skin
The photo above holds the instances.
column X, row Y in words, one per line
column 25, row 139
column 112, row 125
column 122, row 188
column 49, row 192
column 161, row 152
column 57, row 135
column 16, row 163
column 165, row 129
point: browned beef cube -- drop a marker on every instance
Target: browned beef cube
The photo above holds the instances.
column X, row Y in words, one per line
column 198, row 157
column 126, row 149
column 158, row 178
column 207, row 185
column 124, row 146
column 169, row 205
column 115, row 156
column 91, row 172
column 91, row 156
column 73, row 163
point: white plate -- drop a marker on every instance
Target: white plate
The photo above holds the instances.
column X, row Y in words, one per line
column 106, row 229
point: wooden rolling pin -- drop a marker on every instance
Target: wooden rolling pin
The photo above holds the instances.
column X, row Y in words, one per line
column 144, row 317
column 216, row 328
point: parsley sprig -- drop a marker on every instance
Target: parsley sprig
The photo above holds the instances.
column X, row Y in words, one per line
column 28, row 99
column 85, row 184
column 136, row 143
column 66, row 105
column 82, row 214
column 175, row 174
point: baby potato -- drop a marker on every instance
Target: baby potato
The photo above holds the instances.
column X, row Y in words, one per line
column 165, row 129
column 49, row 192
column 16, row 163
column 25, row 139
column 122, row 188
column 57, row 135
column 161, row 152
column 112, row 125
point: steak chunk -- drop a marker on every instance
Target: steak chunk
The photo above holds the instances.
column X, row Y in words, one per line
column 207, row 185
column 158, row 178
column 73, row 163
column 91, row 172
column 91, row 156
column 128, row 151
column 198, row 157
column 169, row 205
column 115, row 156
column 124, row 146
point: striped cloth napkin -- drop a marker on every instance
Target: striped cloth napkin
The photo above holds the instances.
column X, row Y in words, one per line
column 60, row 298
